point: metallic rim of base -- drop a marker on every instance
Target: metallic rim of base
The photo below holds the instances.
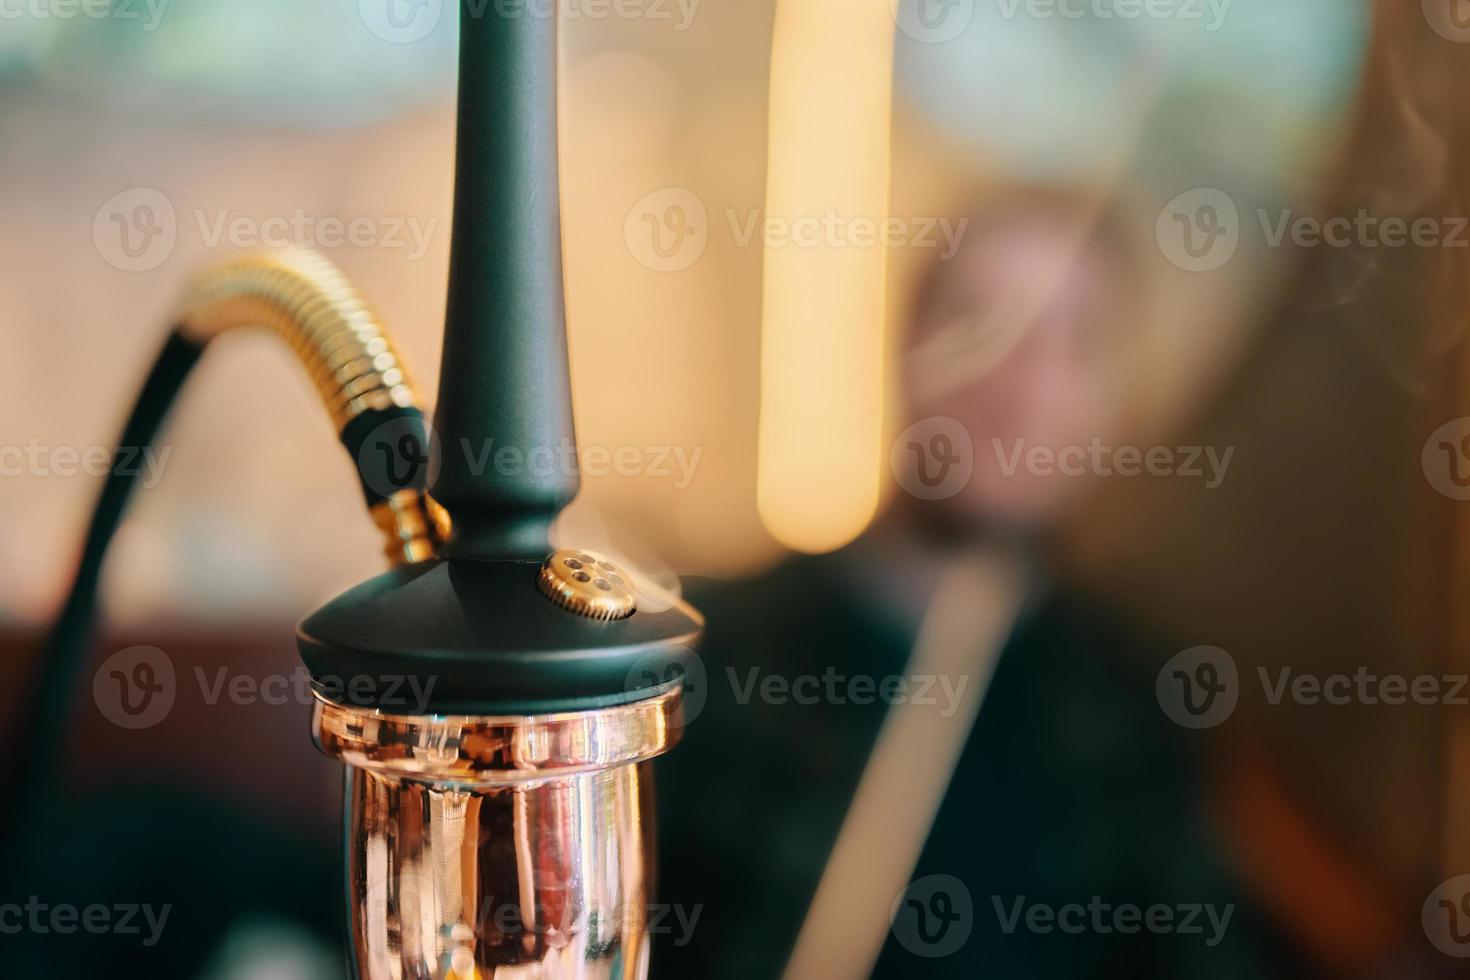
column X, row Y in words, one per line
column 470, row 750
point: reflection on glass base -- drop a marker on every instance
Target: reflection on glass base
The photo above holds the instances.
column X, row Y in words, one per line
column 500, row 848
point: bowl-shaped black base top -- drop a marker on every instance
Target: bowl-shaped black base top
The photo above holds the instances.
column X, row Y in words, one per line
column 478, row 637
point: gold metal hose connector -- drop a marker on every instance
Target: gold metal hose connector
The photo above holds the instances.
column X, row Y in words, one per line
column 305, row 300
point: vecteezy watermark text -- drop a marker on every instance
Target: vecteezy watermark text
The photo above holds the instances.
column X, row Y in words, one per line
column 1202, row 229
column 1363, row 686
column 670, row 229
column 1096, row 459
column 833, row 228
column 1103, row 918
column 410, row 233
column 934, row 459
column 655, row 671
column 401, row 453
column 38, row 459
column 1210, row 13
column 677, row 463
column 1201, row 687
column 137, row 230
column 137, row 687
column 834, row 687
column 678, row 12
column 149, row 13
column 64, row 919
column 408, row 21
column 511, row 918
column 398, row 691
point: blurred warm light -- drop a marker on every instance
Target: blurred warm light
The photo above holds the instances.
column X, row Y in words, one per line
column 822, row 357
column 666, row 359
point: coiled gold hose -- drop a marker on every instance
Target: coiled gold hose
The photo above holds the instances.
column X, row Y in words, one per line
column 305, row 300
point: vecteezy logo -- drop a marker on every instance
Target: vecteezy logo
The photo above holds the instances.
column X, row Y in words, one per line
column 668, row 230
column 135, row 230
column 400, row 454
column 1199, row 230
column 1446, row 459
column 401, row 21
column 656, row 670
column 1446, row 917
column 933, row 21
column 1199, row 688
column 1450, row 19
column 933, row 459
column 399, row 889
column 134, row 688
column 933, row 916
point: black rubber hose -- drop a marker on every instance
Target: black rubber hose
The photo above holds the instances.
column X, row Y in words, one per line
column 62, row 658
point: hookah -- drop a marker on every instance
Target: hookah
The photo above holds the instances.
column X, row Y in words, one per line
column 505, row 827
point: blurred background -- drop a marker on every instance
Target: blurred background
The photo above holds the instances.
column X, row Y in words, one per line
column 809, row 252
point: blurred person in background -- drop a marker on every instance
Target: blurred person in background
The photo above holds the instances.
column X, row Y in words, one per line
column 1072, row 783
column 1128, row 621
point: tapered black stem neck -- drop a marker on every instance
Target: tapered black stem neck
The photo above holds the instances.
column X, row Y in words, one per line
column 504, row 418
